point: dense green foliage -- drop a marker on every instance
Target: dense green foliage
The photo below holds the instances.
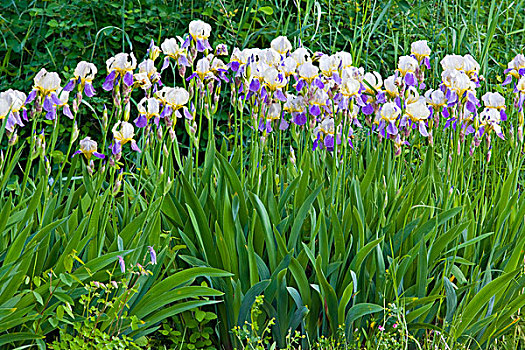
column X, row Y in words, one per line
column 221, row 233
column 58, row 34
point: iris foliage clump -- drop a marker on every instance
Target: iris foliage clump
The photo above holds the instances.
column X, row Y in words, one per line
column 284, row 196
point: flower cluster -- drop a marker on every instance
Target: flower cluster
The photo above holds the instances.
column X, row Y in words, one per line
column 322, row 96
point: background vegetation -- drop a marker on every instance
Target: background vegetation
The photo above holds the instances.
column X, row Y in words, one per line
column 326, row 245
column 58, row 34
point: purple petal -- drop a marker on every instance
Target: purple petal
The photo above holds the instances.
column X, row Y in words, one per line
column 283, row 125
column 153, row 255
column 508, row 80
column 255, row 84
column 280, row 96
column 445, row 112
column 99, row 155
column 503, row 115
column 368, row 109
column 423, row 129
column 319, row 83
column 48, row 105
column 381, row 97
column 31, row 96
column 426, row 62
column 116, row 148
column 200, row 46
column 314, row 110
column 329, row 141
column 471, row 107
column 108, row 83
column 50, row 115
column 166, row 63
column 234, row 66
column 300, row 119
column 336, row 78
column 89, row 90
column 70, row 85
column 300, row 85
column 410, row 80
column 128, row 78
column 187, row 113
column 55, row 99
column 183, row 61
column 135, row 147
column 391, row 128
column 122, row 264
column 67, row 112
column 141, row 121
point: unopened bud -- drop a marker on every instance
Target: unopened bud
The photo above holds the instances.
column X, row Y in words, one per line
column 13, row 139
column 159, row 132
column 116, row 187
column 293, row 160
column 182, row 70
column 105, row 117
column 171, row 132
column 75, row 106
column 127, row 109
column 489, row 155
column 75, row 133
column 91, row 167
column 165, row 151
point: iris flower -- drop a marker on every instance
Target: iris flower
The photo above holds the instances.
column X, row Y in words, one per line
column 200, row 32
column 173, row 48
column 515, row 68
column 123, row 136
column 495, row 100
column 88, row 148
column 148, row 108
column 83, row 77
column 119, row 67
column 282, row 45
column 407, row 68
column 11, row 104
column 421, row 52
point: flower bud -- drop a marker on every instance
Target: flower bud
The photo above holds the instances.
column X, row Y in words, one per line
column 75, row 133
column 91, row 167
column 171, row 132
column 182, row 71
column 159, row 132
column 79, row 98
column 75, row 106
column 293, row 160
column 13, row 139
column 489, row 155
column 127, row 109
column 116, row 187
column 105, row 120
column 165, row 151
